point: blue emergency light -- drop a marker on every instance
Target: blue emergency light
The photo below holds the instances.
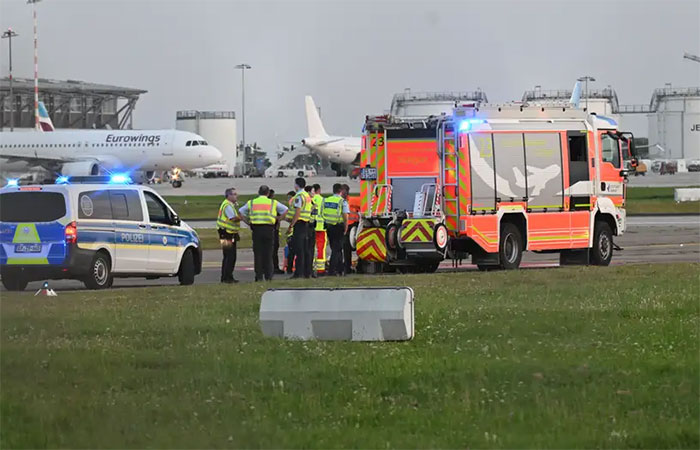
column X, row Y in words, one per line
column 12, row 182
column 62, row 179
column 120, row 178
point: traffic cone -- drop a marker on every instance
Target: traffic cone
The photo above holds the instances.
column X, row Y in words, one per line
column 46, row 290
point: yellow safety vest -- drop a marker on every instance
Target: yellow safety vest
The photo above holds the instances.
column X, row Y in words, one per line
column 262, row 211
column 318, row 209
column 305, row 215
column 223, row 222
column 333, row 210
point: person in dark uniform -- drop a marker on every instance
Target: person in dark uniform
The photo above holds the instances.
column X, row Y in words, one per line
column 311, row 239
column 228, row 223
column 335, row 217
column 347, row 249
column 299, row 225
column 289, row 254
column 261, row 214
column 275, row 242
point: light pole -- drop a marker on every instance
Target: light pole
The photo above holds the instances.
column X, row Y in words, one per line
column 37, row 125
column 587, row 78
column 243, row 68
column 9, row 34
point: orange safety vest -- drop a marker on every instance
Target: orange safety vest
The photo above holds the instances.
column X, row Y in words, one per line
column 354, row 207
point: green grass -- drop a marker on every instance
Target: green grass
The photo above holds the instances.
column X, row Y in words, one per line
column 640, row 200
column 654, row 200
column 561, row 358
column 190, row 207
column 209, row 237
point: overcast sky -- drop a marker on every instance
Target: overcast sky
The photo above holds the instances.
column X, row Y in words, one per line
column 352, row 56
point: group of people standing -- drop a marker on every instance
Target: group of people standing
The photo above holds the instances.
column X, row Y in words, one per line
column 314, row 222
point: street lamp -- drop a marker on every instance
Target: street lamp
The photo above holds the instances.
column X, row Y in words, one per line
column 9, row 34
column 243, row 68
column 36, row 68
column 587, row 78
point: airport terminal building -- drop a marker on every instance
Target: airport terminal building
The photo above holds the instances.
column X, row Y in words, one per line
column 70, row 104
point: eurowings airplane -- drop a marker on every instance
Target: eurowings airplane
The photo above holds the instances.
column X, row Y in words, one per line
column 96, row 152
column 339, row 150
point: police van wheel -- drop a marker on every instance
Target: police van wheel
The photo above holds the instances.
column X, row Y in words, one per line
column 602, row 251
column 14, row 282
column 100, row 276
column 186, row 273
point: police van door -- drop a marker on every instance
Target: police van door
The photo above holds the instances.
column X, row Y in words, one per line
column 163, row 248
column 131, row 231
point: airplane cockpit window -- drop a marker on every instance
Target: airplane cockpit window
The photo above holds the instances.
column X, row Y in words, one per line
column 188, row 143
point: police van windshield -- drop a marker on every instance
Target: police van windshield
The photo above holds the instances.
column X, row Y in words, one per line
column 31, row 206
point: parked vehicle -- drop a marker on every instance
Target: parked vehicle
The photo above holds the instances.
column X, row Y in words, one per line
column 92, row 229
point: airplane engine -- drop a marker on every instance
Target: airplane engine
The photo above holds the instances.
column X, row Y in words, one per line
column 143, row 177
column 80, row 168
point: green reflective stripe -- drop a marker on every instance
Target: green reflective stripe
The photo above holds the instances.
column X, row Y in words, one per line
column 305, row 215
column 14, row 261
column 223, row 222
column 333, row 213
column 263, row 216
column 25, row 233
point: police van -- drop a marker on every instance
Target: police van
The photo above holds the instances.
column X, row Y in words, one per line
column 92, row 229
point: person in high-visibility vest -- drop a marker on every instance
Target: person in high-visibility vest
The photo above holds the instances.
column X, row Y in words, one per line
column 353, row 218
column 320, row 233
column 275, row 242
column 228, row 223
column 299, row 225
column 335, row 217
column 288, row 249
column 262, row 213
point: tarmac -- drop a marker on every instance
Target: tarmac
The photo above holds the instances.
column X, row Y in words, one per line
column 649, row 239
column 217, row 186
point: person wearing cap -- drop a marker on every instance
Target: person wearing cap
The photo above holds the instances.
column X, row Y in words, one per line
column 299, row 225
column 228, row 224
column 261, row 214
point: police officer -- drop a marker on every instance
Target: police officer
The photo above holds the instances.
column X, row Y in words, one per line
column 335, row 217
column 299, row 225
column 311, row 240
column 276, row 241
column 228, row 223
column 319, row 232
column 289, row 249
column 261, row 213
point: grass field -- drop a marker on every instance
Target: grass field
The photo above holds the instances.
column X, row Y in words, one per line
column 641, row 200
column 576, row 357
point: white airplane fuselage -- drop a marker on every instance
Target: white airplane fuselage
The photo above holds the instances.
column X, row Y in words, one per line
column 337, row 149
column 78, row 151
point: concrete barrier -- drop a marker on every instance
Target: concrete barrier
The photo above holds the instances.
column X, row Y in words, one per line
column 686, row 195
column 352, row 314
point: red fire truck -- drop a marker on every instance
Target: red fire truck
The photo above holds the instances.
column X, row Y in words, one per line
column 491, row 181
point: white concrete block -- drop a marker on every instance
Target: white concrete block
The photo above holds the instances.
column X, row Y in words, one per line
column 687, row 195
column 349, row 314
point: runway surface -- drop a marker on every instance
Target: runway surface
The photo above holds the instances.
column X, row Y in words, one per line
column 216, row 186
column 647, row 240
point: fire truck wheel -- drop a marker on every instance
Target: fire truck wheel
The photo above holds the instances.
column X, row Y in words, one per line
column 440, row 237
column 602, row 250
column 391, row 236
column 352, row 236
column 510, row 247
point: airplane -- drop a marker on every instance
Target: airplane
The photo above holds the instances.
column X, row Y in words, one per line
column 141, row 153
column 341, row 151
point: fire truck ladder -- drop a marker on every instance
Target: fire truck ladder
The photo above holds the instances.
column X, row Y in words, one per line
column 449, row 173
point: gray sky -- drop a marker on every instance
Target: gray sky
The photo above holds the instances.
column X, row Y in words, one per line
column 352, row 56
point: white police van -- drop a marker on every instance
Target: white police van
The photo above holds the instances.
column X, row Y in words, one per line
column 92, row 229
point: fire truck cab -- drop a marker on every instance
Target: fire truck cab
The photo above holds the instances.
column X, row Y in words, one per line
column 492, row 181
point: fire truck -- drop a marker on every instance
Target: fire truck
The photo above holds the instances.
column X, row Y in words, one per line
column 491, row 181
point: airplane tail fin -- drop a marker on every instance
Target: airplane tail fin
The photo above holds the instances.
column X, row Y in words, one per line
column 44, row 119
column 313, row 120
column 576, row 95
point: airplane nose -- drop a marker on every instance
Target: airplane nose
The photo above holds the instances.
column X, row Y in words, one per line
column 212, row 154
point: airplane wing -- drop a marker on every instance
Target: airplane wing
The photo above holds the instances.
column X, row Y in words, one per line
column 45, row 160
